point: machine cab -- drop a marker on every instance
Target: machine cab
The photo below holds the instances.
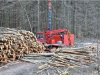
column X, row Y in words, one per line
column 41, row 37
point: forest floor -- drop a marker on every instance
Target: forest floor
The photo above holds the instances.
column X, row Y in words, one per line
column 27, row 68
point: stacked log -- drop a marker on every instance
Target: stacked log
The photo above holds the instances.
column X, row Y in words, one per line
column 15, row 44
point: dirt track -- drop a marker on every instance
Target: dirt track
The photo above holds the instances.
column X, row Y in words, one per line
column 19, row 68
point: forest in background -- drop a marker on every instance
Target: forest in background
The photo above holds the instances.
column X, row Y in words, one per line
column 80, row 17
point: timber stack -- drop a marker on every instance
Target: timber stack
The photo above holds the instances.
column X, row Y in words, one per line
column 15, row 44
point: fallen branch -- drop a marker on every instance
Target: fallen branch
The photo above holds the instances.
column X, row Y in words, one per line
column 73, row 52
column 40, row 54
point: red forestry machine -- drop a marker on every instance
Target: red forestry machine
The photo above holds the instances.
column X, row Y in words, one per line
column 60, row 37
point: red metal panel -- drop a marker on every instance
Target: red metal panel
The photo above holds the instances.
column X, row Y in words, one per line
column 72, row 39
column 66, row 41
column 57, row 38
column 52, row 41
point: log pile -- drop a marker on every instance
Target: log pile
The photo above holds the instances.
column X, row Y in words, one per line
column 62, row 57
column 74, row 58
column 15, row 44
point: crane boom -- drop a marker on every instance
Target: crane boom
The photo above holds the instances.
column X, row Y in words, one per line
column 49, row 15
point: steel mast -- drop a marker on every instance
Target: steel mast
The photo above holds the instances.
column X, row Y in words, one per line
column 49, row 15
